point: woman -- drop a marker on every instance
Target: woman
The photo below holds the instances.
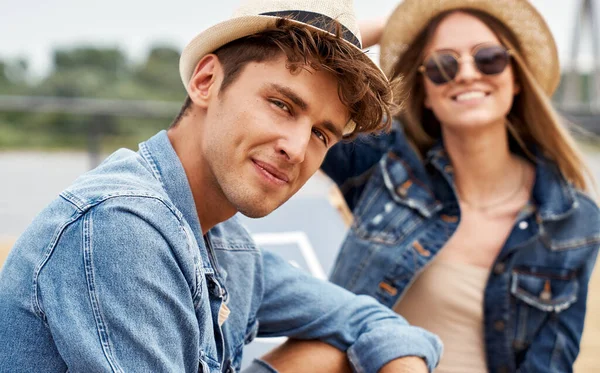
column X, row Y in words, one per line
column 474, row 223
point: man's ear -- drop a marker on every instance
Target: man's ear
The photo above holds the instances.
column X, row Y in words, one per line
column 205, row 80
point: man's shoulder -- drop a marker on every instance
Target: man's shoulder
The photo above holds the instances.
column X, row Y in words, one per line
column 125, row 174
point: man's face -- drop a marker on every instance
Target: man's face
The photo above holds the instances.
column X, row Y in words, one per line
column 267, row 133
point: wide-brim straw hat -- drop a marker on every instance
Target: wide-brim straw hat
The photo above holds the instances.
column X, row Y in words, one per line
column 536, row 42
column 255, row 16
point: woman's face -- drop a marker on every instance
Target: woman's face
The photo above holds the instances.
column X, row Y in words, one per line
column 472, row 100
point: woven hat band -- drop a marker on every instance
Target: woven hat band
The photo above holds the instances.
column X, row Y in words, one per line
column 317, row 20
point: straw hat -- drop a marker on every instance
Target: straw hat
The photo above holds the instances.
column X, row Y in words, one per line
column 255, row 16
column 530, row 28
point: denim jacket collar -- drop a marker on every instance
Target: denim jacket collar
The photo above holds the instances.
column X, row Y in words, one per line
column 407, row 180
column 553, row 195
column 167, row 168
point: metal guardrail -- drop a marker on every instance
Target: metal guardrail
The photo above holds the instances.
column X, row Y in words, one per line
column 163, row 109
column 584, row 115
column 98, row 109
column 90, row 106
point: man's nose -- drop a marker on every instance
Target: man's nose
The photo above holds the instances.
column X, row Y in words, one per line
column 293, row 144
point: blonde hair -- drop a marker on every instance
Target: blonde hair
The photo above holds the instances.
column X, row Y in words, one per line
column 531, row 121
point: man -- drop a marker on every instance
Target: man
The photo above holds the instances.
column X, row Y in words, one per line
column 140, row 266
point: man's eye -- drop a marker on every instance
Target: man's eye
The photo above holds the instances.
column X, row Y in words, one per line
column 321, row 136
column 281, row 105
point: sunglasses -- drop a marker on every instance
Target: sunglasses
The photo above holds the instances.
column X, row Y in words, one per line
column 442, row 68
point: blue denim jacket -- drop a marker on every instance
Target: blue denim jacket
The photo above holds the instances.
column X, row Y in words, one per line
column 405, row 211
column 115, row 276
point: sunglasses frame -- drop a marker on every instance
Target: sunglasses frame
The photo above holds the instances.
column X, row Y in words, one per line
column 462, row 59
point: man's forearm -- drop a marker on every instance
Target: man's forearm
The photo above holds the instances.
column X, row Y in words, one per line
column 409, row 364
column 297, row 356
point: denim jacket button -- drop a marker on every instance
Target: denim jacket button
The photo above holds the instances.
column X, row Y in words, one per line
column 499, row 325
column 402, row 192
column 499, row 268
column 503, row 369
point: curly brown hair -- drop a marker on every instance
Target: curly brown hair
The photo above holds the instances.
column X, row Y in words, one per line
column 362, row 87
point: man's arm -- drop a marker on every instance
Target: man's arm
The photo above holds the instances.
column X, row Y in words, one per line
column 114, row 292
column 300, row 306
column 296, row 356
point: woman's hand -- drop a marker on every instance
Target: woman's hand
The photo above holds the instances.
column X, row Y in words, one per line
column 371, row 31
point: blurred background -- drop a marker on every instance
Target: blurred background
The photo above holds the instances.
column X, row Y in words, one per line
column 79, row 79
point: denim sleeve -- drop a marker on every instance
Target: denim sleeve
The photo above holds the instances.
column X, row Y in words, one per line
column 259, row 366
column 116, row 293
column 557, row 344
column 349, row 164
column 298, row 305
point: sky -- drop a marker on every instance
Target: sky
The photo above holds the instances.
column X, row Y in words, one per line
column 33, row 28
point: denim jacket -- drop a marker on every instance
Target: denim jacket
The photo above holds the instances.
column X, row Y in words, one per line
column 116, row 276
column 405, row 210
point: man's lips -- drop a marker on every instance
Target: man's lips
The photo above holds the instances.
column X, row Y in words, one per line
column 272, row 170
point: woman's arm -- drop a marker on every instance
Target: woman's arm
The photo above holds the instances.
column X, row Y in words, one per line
column 371, row 31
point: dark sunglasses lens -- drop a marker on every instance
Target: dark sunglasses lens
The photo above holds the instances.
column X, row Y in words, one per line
column 441, row 68
column 491, row 60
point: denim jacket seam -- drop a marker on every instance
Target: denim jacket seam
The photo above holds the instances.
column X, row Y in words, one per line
column 73, row 200
column 411, row 174
column 36, row 301
column 101, row 327
column 423, row 208
column 363, row 205
column 236, row 247
column 550, row 217
column 576, row 243
column 86, row 205
column 585, row 197
column 251, row 328
column 359, row 270
column 355, row 362
column 204, row 268
column 531, row 301
column 147, row 156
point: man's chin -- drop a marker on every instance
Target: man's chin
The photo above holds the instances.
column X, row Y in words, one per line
column 258, row 211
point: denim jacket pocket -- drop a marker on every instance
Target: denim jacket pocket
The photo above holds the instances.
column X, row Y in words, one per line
column 539, row 295
column 546, row 292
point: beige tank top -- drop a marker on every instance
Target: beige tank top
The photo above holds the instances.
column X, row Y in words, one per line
column 447, row 299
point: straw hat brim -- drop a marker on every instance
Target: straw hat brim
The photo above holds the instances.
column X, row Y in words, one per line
column 533, row 34
column 225, row 32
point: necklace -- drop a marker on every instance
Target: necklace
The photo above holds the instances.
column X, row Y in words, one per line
column 485, row 207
